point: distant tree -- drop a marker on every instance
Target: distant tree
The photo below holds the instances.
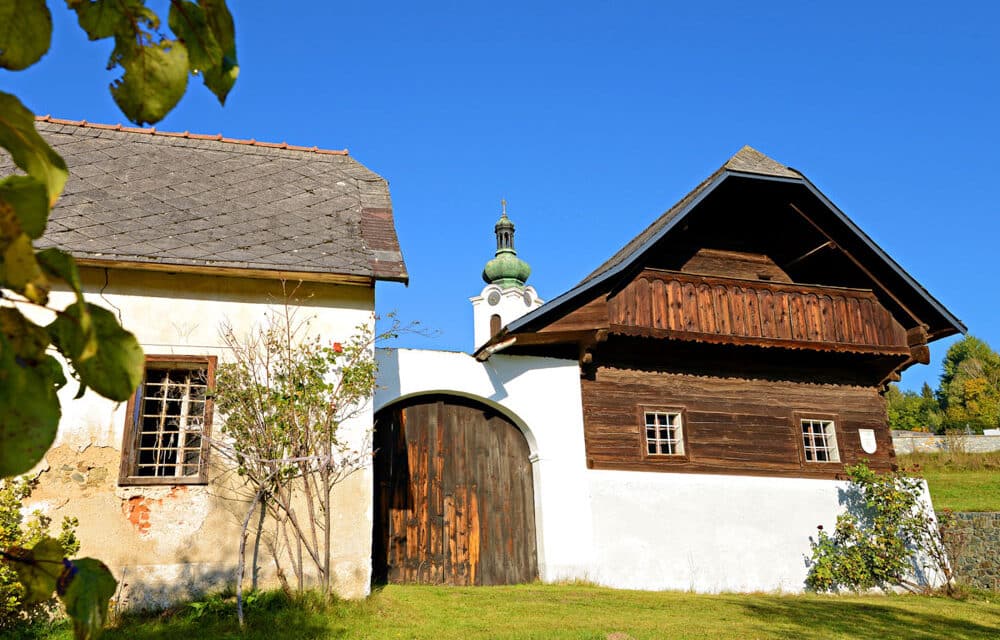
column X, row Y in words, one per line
column 969, row 392
column 910, row 411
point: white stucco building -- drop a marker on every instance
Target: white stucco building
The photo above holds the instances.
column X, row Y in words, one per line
column 179, row 234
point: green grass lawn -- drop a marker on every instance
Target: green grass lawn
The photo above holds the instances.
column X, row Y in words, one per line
column 574, row 611
column 958, row 481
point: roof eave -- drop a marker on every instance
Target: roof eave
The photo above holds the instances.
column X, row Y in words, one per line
column 326, row 277
column 956, row 324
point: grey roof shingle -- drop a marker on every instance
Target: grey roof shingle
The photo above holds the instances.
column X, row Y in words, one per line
column 148, row 197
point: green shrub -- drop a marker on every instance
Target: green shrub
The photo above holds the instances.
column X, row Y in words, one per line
column 16, row 530
column 887, row 534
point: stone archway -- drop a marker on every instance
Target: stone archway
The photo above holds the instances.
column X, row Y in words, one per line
column 454, row 501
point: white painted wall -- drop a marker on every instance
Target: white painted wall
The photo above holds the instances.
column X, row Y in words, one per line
column 192, row 531
column 628, row 529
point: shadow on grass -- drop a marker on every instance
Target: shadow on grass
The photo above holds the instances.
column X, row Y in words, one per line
column 821, row 619
column 271, row 616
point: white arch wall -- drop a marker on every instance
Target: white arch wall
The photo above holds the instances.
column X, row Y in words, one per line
column 542, row 396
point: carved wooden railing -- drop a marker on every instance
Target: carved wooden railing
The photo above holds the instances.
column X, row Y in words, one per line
column 727, row 310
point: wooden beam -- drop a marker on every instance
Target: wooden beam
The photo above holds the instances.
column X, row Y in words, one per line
column 232, row 272
column 857, row 263
column 829, row 243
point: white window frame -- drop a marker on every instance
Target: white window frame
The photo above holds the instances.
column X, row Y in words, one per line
column 818, row 436
column 663, row 432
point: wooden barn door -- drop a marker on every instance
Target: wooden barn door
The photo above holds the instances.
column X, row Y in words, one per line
column 454, row 499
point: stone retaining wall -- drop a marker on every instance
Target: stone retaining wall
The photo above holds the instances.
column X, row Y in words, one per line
column 927, row 443
column 975, row 550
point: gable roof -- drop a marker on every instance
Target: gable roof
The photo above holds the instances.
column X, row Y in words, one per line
column 746, row 163
column 153, row 199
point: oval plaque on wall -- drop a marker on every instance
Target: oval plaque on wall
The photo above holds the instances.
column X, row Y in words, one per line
column 868, row 444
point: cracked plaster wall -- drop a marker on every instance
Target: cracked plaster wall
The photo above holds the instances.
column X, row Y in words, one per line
column 169, row 542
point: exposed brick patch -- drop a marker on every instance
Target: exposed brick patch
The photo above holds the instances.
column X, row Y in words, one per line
column 137, row 512
column 137, row 509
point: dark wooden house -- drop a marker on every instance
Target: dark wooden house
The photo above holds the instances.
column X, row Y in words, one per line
column 750, row 330
column 680, row 419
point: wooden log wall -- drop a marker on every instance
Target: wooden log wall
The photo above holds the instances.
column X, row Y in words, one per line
column 731, row 425
column 454, row 496
column 688, row 306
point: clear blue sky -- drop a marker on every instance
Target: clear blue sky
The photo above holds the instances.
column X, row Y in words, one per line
column 592, row 118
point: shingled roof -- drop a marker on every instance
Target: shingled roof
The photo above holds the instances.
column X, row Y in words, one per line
column 154, row 199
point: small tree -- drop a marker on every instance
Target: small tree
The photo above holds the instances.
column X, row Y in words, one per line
column 285, row 398
column 887, row 533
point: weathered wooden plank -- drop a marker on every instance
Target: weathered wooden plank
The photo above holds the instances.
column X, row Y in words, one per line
column 825, row 316
column 735, row 264
column 462, row 509
column 732, row 425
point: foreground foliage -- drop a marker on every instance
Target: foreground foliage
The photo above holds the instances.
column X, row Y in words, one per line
column 571, row 611
column 20, row 531
column 887, row 534
column 102, row 355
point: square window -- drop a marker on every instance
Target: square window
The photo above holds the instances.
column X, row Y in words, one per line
column 819, row 440
column 664, row 433
column 167, row 417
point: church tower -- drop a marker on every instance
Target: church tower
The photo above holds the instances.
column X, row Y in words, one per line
column 505, row 297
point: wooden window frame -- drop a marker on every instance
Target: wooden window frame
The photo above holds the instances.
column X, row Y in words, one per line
column 798, row 417
column 129, row 444
column 684, row 456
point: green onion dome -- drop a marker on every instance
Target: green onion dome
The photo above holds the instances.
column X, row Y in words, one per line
column 506, row 270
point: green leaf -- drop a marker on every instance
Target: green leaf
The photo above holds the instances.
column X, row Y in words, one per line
column 21, row 272
column 25, row 32
column 114, row 369
column 28, row 205
column 29, row 150
column 29, row 408
column 207, row 31
column 59, row 264
column 27, row 339
column 155, row 78
column 106, row 18
column 38, row 569
column 85, row 589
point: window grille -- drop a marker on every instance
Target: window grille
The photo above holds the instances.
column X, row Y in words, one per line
column 664, row 433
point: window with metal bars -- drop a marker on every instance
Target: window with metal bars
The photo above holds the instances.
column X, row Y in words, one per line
column 819, row 440
column 169, row 420
column 664, row 433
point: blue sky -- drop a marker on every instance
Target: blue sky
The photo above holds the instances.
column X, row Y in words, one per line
column 592, row 118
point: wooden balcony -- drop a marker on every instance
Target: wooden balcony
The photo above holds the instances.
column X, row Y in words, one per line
column 683, row 306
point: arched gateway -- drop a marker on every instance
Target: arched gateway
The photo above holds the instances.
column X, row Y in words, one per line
column 454, row 499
